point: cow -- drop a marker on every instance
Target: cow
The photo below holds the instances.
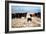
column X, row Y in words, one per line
column 13, row 16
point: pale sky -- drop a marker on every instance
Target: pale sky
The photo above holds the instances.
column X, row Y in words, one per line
column 23, row 9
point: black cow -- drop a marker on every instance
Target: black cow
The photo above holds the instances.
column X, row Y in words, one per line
column 30, row 15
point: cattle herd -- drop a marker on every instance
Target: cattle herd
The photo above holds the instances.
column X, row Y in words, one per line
column 19, row 15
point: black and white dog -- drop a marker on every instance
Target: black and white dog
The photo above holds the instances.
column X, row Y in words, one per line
column 29, row 19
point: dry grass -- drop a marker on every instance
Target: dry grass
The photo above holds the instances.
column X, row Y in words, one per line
column 22, row 22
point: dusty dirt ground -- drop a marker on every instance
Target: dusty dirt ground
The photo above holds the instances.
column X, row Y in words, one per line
column 22, row 22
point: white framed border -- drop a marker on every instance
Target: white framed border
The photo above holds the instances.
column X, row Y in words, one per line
column 30, row 28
